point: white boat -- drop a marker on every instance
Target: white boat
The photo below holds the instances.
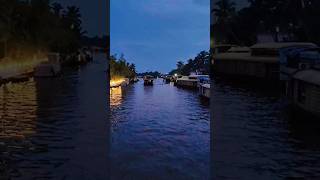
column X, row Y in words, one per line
column 204, row 86
column 204, row 90
column 50, row 68
column 191, row 81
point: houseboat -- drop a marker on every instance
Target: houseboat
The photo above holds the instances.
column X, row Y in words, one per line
column 259, row 61
column 204, row 87
column 222, row 48
column 148, row 80
column 50, row 68
column 191, row 81
column 300, row 68
column 306, row 91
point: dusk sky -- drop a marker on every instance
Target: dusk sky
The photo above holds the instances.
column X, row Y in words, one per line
column 155, row 34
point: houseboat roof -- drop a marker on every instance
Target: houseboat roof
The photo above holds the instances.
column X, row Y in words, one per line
column 239, row 49
column 311, row 76
column 280, row 45
column 245, row 57
column 224, row 45
column 198, row 75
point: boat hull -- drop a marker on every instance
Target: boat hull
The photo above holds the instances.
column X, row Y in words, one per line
column 187, row 83
column 148, row 82
column 204, row 91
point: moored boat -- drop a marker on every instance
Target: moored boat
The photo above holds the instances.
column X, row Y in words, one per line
column 191, row 81
column 300, row 69
column 204, row 86
column 261, row 61
column 148, row 80
column 204, row 90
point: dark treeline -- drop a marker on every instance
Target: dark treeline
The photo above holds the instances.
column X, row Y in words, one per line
column 296, row 19
column 150, row 73
column 39, row 24
column 200, row 64
column 120, row 68
column 95, row 41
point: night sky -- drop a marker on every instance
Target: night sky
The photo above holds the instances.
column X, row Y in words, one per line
column 155, row 34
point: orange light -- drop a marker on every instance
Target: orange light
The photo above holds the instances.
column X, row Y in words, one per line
column 13, row 66
column 116, row 82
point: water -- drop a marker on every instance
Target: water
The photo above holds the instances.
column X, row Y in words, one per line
column 159, row 132
column 256, row 137
column 56, row 128
column 59, row 129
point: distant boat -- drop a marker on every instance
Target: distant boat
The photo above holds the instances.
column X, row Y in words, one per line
column 167, row 78
column 148, row 80
column 50, row 68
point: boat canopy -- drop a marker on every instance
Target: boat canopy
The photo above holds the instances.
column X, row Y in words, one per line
column 272, row 49
column 293, row 56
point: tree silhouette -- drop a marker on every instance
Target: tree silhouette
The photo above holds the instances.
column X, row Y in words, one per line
column 57, row 8
column 37, row 24
column 224, row 11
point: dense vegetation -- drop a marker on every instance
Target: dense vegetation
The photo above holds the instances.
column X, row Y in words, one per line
column 298, row 19
column 150, row 73
column 120, row 68
column 40, row 25
column 200, row 64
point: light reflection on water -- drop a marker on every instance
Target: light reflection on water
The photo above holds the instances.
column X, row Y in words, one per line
column 56, row 128
column 116, row 96
column 18, row 111
column 159, row 132
column 256, row 136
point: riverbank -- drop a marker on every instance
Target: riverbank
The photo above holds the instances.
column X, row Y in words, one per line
column 21, row 69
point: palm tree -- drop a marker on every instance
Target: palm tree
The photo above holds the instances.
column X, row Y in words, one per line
column 224, row 11
column 73, row 21
column 57, row 8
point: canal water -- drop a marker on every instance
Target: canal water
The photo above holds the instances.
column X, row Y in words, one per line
column 159, row 132
column 256, row 136
column 60, row 128
column 56, row 128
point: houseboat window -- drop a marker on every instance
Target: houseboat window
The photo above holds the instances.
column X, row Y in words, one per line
column 311, row 56
column 192, row 77
column 301, row 92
